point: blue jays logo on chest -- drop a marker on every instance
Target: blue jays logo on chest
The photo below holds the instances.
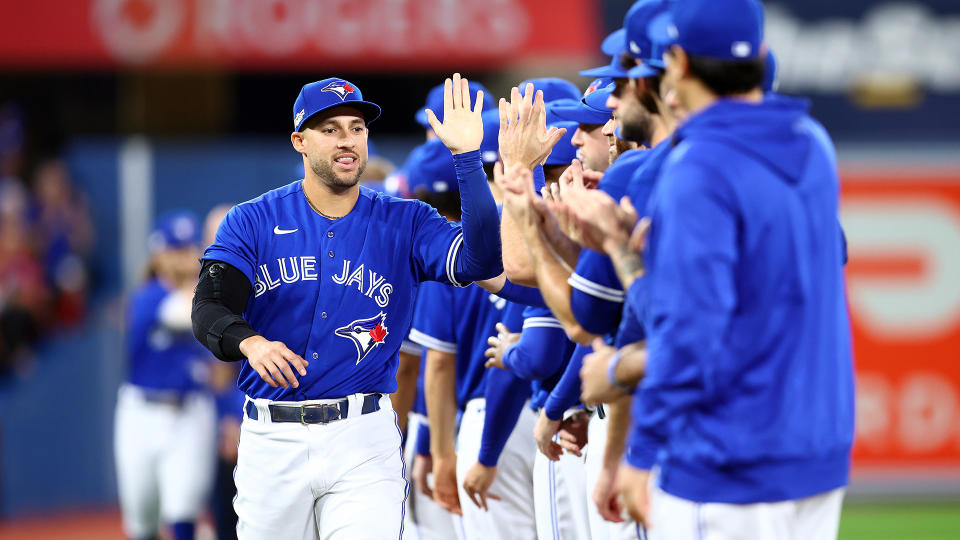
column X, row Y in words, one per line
column 366, row 334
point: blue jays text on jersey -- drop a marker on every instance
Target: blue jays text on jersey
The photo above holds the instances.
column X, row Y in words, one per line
column 331, row 290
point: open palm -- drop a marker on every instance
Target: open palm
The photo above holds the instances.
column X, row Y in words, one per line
column 462, row 127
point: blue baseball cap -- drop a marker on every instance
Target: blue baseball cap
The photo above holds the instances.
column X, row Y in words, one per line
column 435, row 102
column 432, row 169
column 490, row 145
column 553, row 88
column 564, row 151
column 615, row 42
column 592, row 107
column 771, row 79
column 719, row 29
column 174, row 229
column 613, row 71
column 319, row 96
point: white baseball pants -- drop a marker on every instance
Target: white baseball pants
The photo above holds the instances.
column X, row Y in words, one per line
column 165, row 459
column 560, row 498
column 337, row 481
column 424, row 518
column 512, row 517
column 601, row 529
column 810, row 518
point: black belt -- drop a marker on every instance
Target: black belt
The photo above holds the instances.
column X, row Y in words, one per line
column 163, row 397
column 320, row 413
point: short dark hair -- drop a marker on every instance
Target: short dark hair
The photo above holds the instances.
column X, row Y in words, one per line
column 728, row 77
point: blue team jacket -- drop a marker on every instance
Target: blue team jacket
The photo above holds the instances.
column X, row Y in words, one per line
column 749, row 394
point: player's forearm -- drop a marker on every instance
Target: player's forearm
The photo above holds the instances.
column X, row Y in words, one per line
column 479, row 256
column 407, row 371
column 552, row 279
column 517, row 263
column 618, row 422
column 628, row 264
column 511, row 292
column 218, row 302
column 505, row 395
column 440, row 394
column 632, row 364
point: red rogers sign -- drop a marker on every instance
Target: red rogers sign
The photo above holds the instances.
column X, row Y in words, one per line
column 293, row 34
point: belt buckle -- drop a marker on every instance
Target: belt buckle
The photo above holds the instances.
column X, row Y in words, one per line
column 326, row 417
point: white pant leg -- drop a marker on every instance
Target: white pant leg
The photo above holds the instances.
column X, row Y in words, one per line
column 560, row 498
column 274, row 479
column 424, row 519
column 187, row 464
column 363, row 492
column 601, row 529
column 138, row 431
column 818, row 517
column 511, row 517
column 810, row 518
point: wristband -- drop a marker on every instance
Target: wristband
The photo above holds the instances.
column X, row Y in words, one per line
column 612, row 376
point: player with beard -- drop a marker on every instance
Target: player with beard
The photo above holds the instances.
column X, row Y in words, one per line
column 310, row 286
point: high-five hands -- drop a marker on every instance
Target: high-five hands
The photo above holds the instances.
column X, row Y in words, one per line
column 462, row 127
column 524, row 137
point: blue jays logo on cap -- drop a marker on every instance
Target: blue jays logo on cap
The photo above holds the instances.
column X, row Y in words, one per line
column 339, row 88
column 366, row 334
column 595, row 85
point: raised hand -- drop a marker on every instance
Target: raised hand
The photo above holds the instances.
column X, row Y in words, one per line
column 524, row 137
column 462, row 127
column 604, row 224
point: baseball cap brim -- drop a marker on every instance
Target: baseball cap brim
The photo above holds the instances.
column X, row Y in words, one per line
column 615, row 43
column 370, row 111
column 643, row 70
column 578, row 112
column 421, row 118
column 611, row 70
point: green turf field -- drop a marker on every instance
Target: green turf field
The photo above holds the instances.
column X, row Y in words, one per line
column 900, row 521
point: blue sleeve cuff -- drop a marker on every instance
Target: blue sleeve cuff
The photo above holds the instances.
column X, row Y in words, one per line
column 422, row 444
column 539, row 179
column 519, row 294
column 467, row 163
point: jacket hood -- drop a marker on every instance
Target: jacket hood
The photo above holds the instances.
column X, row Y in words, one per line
column 772, row 132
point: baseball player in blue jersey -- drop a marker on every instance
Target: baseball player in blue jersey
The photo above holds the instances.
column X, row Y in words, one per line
column 743, row 304
column 537, row 355
column 305, row 285
column 165, row 418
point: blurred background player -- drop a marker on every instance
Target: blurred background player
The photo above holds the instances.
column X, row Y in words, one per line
column 166, row 418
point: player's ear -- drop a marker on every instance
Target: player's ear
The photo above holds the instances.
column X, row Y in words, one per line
column 682, row 61
column 296, row 139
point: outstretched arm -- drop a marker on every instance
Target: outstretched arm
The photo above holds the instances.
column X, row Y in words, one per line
column 478, row 257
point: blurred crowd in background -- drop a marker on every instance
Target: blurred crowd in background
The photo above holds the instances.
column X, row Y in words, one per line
column 46, row 239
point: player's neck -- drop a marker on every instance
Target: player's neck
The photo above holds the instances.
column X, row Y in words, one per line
column 327, row 201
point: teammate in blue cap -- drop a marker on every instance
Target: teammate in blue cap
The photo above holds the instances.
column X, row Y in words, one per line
column 166, row 418
column 745, row 307
column 311, row 286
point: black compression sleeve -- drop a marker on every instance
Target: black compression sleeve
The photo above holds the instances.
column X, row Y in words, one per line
column 221, row 296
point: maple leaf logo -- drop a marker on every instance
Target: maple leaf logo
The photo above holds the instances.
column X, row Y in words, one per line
column 378, row 333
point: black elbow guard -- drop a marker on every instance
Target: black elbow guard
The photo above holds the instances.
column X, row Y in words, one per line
column 221, row 296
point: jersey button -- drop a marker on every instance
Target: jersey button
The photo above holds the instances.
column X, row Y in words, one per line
column 323, row 315
column 330, row 254
column 315, row 355
column 329, row 234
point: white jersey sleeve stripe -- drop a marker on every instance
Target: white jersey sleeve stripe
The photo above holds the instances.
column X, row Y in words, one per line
column 595, row 289
column 542, row 322
column 452, row 259
column 431, row 342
